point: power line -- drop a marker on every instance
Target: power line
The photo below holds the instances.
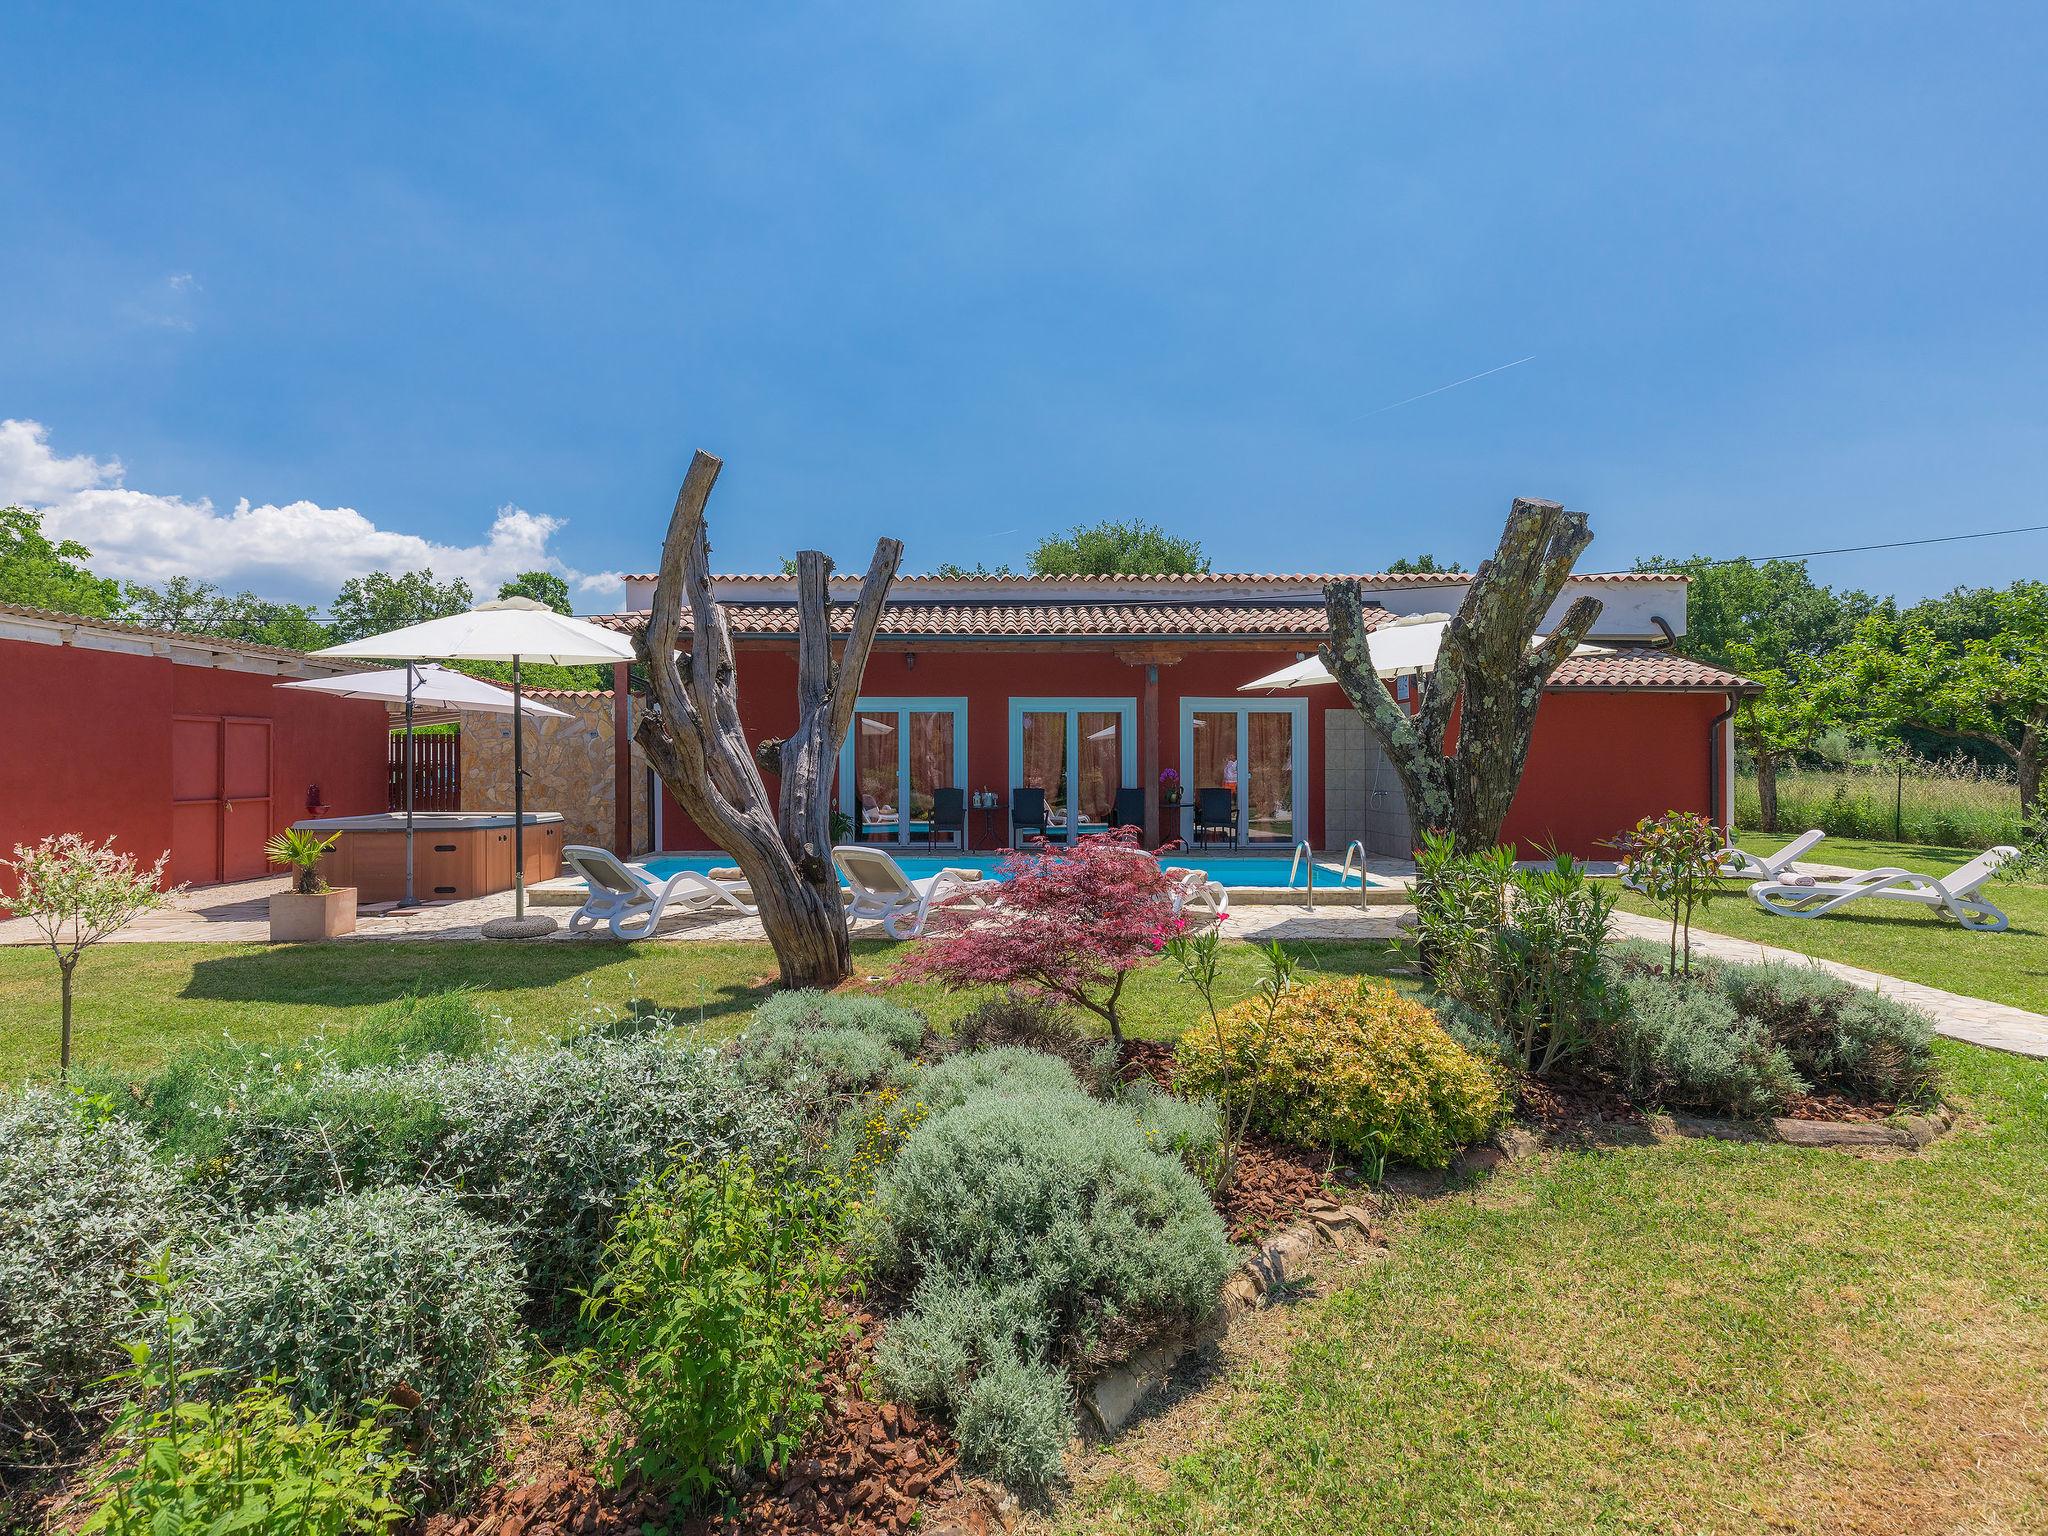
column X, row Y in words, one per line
column 1857, row 549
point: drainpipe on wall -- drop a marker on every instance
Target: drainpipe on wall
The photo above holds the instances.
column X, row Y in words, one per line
column 1714, row 800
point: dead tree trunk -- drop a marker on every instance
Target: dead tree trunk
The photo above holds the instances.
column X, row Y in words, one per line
column 1485, row 668
column 693, row 739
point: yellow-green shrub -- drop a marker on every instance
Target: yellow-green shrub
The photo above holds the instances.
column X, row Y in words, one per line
column 1354, row 1065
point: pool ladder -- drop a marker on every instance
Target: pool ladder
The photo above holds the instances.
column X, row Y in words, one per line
column 1305, row 855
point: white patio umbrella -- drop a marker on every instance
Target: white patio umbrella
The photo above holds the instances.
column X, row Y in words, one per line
column 435, row 687
column 1406, row 646
column 513, row 629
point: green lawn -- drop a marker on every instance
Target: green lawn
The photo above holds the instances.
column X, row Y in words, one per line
column 139, row 1003
column 1688, row 1337
column 1912, row 943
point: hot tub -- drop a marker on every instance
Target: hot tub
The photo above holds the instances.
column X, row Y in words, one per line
column 455, row 854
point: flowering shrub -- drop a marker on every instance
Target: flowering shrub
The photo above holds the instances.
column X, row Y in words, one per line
column 1675, row 860
column 1350, row 1065
column 1071, row 924
column 75, row 893
column 83, row 1207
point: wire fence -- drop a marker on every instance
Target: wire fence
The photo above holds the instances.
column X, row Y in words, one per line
column 1947, row 802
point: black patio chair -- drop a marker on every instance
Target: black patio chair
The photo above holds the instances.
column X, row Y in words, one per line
column 949, row 814
column 1027, row 809
column 1129, row 810
column 1215, row 811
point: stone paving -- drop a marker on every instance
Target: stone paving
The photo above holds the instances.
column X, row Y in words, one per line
column 232, row 914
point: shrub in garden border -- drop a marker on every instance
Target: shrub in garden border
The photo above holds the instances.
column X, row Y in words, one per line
column 826, row 1046
column 84, row 1207
column 250, row 1462
column 1517, row 950
column 549, row 1143
column 1350, row 1065
column 1686, row 1046
column 713, row 1320
column 1039, row 1025
column 1042, row 1231
column 1834, row 1035
column 392, row 1295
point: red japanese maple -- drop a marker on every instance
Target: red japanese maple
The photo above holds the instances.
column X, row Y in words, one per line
column 1069, row 923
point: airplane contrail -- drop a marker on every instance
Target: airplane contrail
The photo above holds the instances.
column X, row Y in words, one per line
column 1503, row 368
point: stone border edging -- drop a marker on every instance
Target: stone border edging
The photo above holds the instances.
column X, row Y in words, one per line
column 1109, row 1401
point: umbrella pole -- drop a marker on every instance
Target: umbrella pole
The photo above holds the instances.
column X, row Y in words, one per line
column 518, row 801
column 411, row 778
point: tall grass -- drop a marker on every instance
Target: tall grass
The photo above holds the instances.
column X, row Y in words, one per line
column 1949, row 802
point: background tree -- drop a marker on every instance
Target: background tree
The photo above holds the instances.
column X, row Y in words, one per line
column 1132, row 548
column 1772, row 623
column 1486, row 668
column 38, row 572
column 200, row 608
column 542, row 587
column 693, row 738
column 379, row 601
column 1969, row 667
column 1420, row 565
column 74, row 893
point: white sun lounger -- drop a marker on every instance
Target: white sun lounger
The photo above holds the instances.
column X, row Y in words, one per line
column 882, row 892
column 1190, row 887
column 632, row 900
column 1741, row 865
column 1955, row 894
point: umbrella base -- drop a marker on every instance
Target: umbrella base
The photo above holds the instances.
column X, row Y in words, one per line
column 534, row 925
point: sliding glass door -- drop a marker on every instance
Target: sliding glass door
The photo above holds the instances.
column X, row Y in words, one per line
column 898, row 755
column 1244, row 771
column 1078, row 753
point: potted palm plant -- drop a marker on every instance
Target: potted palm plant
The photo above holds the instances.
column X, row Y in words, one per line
column 311, row 909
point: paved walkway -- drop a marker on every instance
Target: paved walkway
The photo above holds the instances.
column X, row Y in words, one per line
column 1997, row 1025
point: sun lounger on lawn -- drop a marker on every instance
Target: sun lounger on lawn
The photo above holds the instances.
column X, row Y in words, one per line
column 632, row 900
column 1742, row 865
column 902, row 906
column 1955, row 894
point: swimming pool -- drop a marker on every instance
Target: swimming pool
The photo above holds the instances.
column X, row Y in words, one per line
column 1234, row 872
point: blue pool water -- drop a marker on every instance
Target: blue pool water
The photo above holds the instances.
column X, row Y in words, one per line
column 1232, row 872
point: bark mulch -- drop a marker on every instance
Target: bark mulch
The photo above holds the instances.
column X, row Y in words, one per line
column 865, row 1468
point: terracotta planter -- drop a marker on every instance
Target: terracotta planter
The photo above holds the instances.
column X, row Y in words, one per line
column 296, row 919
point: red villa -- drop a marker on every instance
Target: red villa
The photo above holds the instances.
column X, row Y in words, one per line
column 1078, row 687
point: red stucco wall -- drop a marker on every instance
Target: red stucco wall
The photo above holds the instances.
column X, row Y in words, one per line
column 87, row 744
column 1598, row 761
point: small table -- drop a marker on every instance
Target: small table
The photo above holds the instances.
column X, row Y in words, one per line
column 988, row 815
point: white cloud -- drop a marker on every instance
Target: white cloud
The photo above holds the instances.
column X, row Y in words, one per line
column 300, row 549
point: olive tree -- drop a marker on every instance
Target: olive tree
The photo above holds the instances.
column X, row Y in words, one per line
column 1487, row 671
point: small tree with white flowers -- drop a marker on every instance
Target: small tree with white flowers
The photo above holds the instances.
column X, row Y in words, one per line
column 75, row 893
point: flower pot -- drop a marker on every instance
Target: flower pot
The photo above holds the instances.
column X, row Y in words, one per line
column 297, row 919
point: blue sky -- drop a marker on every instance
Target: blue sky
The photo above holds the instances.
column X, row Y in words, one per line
column 967, row 274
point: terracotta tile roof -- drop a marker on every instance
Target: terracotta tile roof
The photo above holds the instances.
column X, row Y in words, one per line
column 1648, row 670
column 180, row 637
column 1041, row 621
